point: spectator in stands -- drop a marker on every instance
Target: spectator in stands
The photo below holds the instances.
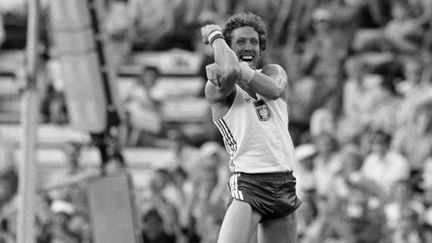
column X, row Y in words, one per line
column 326, row 50
column 308, row 213
column 305, row 154
column 365, row 216
column 409, row 228
column 119, row 26
column 326, row 166
column 73, row 152
column 329, row 225
column 153, row 228
column 53, row 106
column 414, row 140
column 401, row 198
column 415, row 88
column 80, row 224
column 162, row 25
column 414, row 83
column 326, row 118
column 60, row 231
column 351, row 161
column 366, row 101
column 206, row 205
column 383, row 165
column 404, row 31
column 159, row 199
column 144, row 112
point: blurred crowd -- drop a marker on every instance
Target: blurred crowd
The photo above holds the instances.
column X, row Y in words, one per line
column 360, row 117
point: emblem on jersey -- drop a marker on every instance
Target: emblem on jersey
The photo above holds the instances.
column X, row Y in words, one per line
column 262, row 110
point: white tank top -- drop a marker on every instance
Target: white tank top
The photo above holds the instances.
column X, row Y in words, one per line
column 255, row 133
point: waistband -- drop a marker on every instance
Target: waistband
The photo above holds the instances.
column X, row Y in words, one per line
column 270, row 175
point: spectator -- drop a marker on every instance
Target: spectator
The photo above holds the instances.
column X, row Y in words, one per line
column 60, row 230
column 53, row 106
column 401, row 199
column 145, row 118
column 119, row 27
column 326, row 166
column 153, row 228
column 383, row 165
column 326, row 50
column 404, row 31
column 305, row 155
column 365, row 216
column 414, row 83
column 409, row 229
column 325, row 119
column 148, row 15
column 366, row 101
column 209, row 176
column 414, row 141
column 415, row 88
column 158, row 199
column 329, row 224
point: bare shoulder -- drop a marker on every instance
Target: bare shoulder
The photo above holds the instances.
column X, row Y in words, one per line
column 274, row 70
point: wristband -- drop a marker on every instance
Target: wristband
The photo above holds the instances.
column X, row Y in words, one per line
column 215, row 35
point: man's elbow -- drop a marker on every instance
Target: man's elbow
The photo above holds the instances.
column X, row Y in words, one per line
column 277, row 93
column 274, row 96
column 233, row 73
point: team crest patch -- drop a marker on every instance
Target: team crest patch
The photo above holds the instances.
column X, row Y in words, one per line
column 262, row 110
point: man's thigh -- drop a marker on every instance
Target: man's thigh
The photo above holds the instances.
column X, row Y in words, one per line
column 239, row 224
column 278, row 230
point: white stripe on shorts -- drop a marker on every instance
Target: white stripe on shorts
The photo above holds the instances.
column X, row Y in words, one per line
column 235, row 192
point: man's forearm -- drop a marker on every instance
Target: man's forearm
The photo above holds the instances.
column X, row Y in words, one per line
column 271, row 88
column 227, row 60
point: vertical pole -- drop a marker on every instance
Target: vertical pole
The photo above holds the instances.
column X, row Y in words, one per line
column 29, row 120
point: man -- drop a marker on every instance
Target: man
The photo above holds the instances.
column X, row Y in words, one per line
column 249, row 108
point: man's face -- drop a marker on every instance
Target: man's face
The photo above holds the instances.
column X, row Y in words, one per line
column 245, row 44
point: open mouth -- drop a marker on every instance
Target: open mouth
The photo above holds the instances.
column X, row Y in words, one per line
column 246, row 58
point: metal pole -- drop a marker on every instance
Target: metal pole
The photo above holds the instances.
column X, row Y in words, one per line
column 29, row 121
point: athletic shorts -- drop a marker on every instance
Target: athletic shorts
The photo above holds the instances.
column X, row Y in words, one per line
column 273, row 195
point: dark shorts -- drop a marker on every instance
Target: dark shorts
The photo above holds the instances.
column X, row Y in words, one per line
column 273, row 195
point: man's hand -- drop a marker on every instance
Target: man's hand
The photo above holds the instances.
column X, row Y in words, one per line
column 214, row 74
column 207, row 30
column 246, row 72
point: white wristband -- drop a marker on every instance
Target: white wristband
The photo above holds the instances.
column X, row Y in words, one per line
column 212, row 35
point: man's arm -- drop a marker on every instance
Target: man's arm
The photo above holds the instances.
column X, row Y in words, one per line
column 226, row 65
column 271, row 82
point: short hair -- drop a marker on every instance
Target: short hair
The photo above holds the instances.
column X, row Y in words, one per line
column 243, row 19
column 381, row 136
column 151, row 68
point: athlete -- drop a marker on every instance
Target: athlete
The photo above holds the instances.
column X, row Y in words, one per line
column 249, row 107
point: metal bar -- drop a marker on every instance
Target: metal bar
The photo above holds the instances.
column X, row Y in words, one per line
column 29, row 120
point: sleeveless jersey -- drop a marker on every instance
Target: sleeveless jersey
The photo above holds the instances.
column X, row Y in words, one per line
column 255, row 134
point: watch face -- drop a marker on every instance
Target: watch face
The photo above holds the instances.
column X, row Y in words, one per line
column 262, row 110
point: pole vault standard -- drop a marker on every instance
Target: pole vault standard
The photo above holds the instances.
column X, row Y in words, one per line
column 29, row 120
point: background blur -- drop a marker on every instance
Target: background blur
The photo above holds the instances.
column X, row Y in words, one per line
column 360, row 106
